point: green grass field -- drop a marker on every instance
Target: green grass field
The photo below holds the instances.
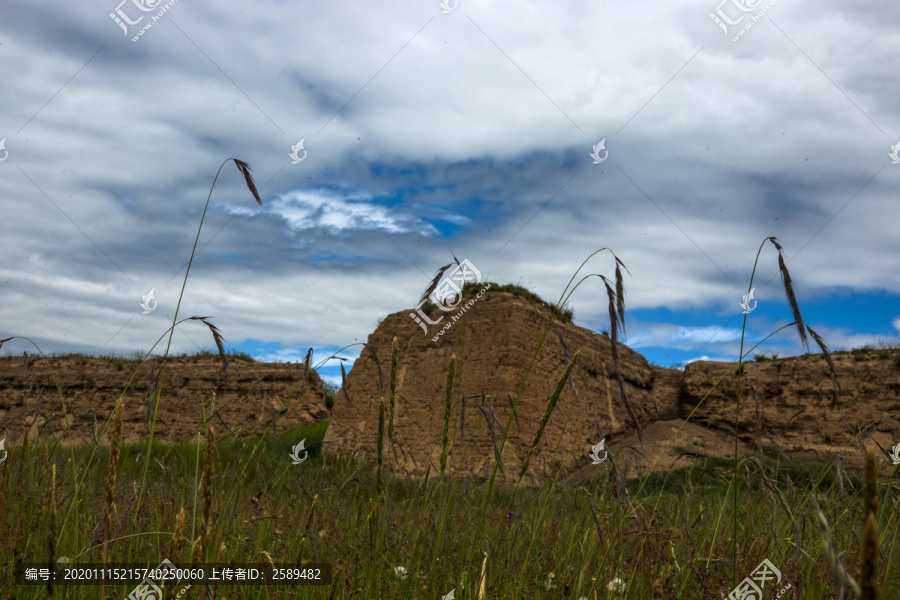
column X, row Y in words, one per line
column 667, row 536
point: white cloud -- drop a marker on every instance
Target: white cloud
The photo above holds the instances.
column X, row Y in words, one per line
column 332, row 379
column 686, row 338
column 304, row 210
column 482, row 118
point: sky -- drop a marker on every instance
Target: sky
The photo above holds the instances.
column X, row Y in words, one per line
column 386, row 138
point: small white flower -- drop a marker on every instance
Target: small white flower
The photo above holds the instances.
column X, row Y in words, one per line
column 400, row 572
column 616, row 585
column 550, row 583
column 895, row 454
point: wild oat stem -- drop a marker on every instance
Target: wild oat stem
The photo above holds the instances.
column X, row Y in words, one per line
column 115, row 443
column 208, row 467
column 197, row 551
column 176, row 547
column 551, row 404
column 344, row 387
column 51, row 539
column 841, row 576
column 381, row 411
column 483, row 581
column 395, row 361
column 245, row 170
column 448, row 402
column 869, row 569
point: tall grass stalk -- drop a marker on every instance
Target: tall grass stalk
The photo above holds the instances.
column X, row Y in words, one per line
column 344, row 386
column 176, row 548
column 448, row 403
column 483, row 579
column 111, row 476
column 109, row 505
column 4, row 476
column 791, row 296
column 176, row 545
column 551, row 404
column 306, row 361
column 870, row 541
column 244, row 169
column 839, row 572
column 380, row 451
column 51, row 539
column 208, row 468
column 305, row 537
column 197, row 550
column 395, row 361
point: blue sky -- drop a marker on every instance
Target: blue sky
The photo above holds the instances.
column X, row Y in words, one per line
column 427, row 133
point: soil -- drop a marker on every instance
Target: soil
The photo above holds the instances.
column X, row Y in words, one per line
column 788, row 407
column 495, row 343
column 247, row 401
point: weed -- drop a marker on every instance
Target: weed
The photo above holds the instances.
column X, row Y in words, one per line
column 551, row 404
column 448, row 402
column 470, row 288
column 330, row 390
column 395, row 359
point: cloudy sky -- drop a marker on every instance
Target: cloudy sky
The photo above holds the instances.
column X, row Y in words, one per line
column 427, row 130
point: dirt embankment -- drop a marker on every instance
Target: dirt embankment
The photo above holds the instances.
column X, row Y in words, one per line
column 254, row 395
column 495, row 342
column 787, row 406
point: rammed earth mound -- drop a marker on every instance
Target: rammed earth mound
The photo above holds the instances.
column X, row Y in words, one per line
column 460, row 312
